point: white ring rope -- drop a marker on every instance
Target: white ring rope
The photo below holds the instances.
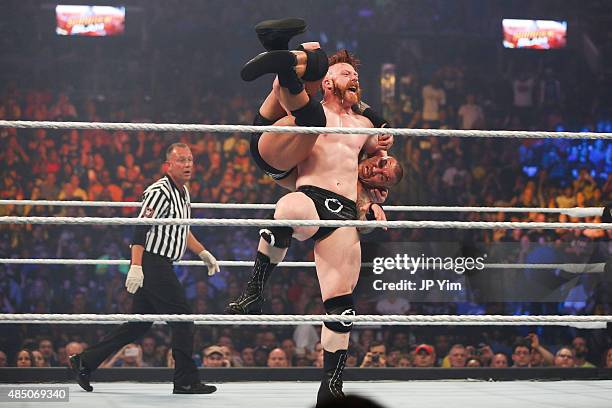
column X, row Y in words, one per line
column 572, row 212
column 172, row 127
column 566, row 267
column 221, row 319
column 238, row 222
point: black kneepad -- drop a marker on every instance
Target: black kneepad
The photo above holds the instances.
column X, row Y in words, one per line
column 311, row 114
column 262, row 121
column 317, row 64
column 279, row 237
column 340, row 305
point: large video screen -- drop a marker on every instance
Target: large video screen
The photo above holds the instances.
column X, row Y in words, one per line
column 534, row 34
column 92, row 21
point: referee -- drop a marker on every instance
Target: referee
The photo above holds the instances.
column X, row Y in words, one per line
column 152, row 279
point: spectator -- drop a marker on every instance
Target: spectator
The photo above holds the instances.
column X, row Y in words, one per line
column 550, row 96
column 248, row 357
column 581, row 351
column 404, row 362
column 499, row 361
column 564, row 358
column 457, row 357
column 317, row 355
column 277, row 358
column 352, row 359
column 45, row 346
column 39, row 360
column 424, row 356
column 539, row 354
column 227, row 356
column 473, row 363
column 288, row 345
column 229, row 352
column 62, row 357
column 73, row 348
column 213, row 357
column 393, row 357
column 470, row 114
column 485, row 354
column 269, row 340
column 521, row 355
column 24, row 359
column 376, row 356
column 130, row 355
column 567, row 200
column 3, row 359
column 537, row 359
column 260, row 356
column 434, row 99
column 523, row 88
column 149, row 359
column 306, row 336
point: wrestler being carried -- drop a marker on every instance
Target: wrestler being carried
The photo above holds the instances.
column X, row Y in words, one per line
column 325, row 172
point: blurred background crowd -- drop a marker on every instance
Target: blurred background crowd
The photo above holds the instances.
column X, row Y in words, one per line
column 179, row 62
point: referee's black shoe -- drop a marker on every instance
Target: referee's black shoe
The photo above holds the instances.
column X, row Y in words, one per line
column 81, row 372
column 195, row 388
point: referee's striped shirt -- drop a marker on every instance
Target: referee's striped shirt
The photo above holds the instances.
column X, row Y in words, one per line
column 164, row 199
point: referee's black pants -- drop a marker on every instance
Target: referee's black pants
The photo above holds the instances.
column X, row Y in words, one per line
column 161, row 293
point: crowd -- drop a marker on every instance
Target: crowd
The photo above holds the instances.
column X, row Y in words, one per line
column 117, row 166
column 266, row 350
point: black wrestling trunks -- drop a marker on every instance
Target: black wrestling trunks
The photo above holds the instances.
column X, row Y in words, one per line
column 330, row 206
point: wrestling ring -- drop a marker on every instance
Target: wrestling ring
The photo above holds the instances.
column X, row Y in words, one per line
column 295, row 387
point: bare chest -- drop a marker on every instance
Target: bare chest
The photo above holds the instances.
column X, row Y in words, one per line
column 347, row 141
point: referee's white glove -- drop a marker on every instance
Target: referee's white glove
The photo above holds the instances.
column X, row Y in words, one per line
column 134, row 279
column 210, row 261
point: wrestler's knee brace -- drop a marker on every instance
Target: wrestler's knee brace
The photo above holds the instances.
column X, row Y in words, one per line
column 311, row 114
column 262, row 121
column 317, row 64
column 340, row 305
column 279, row 237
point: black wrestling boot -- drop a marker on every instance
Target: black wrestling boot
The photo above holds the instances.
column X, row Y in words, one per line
column 276, row 34
column 196, row 388
column 271, row 62
column 282, row 62
column 80, row 371
column 251, row 300
column 331, row 384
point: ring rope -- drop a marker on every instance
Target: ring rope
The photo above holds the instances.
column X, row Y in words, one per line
column 172, row 127
column 580, row 325
column 599, row 321
column 238, row 222
column 569, row 267
column 572, row 212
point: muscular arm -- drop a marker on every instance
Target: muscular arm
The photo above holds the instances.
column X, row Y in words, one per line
column 371, row 145
column 364, row 202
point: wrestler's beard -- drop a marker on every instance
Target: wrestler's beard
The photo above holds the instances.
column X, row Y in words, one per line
column 341, row 93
